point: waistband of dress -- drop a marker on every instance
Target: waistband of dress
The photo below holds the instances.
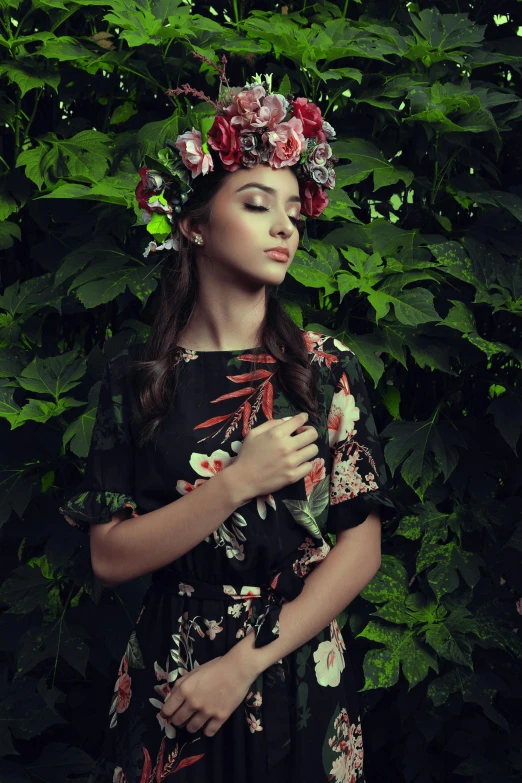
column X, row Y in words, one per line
column 173, row 583
column 284, row 584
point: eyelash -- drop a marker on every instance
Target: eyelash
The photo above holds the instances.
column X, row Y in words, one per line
column 298, row 222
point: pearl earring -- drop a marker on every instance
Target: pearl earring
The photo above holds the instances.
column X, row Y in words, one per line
column 198, row 239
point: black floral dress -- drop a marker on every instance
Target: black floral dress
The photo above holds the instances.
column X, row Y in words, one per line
column 300, row 720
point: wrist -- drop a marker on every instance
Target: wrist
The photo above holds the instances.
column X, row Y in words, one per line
column 246, row 658
column 234, row 486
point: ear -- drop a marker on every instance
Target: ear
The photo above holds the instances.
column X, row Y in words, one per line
column 188, row 227
column 185, row 227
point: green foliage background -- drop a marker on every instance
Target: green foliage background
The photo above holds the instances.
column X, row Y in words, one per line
column 415, row 265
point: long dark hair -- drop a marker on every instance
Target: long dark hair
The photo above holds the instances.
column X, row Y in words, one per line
column 155, row 374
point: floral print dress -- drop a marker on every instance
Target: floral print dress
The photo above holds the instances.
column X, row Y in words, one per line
column 300, row 720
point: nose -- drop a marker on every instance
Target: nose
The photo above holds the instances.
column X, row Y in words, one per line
column 283, row 226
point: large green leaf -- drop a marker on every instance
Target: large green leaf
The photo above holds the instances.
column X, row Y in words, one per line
column 423, row 449
column 54, row 376
column 447, row 562
column 402, row 650
column 83, row 157
column 471, row 687
column 79, row 432
column 24, row 711
column 367, row 159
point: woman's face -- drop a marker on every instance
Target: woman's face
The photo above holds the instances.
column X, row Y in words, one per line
column 248, row 220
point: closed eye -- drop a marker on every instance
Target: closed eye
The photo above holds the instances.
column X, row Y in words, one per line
column 298, row 222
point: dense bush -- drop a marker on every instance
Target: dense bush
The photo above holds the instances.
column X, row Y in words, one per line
column 415, row 265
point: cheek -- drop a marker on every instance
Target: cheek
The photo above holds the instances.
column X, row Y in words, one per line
column 240, row 228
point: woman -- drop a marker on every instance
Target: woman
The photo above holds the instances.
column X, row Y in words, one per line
column 205, row 470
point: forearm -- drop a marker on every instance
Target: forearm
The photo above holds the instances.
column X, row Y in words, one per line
column 331, row 586
column 142, row 544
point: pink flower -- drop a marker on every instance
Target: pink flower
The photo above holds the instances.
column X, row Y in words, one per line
column 245, row 106
column 288, row 143
column 224, row 138
column 123, row 688
column 197, row 161
column 122, row 692
column 313, row 200
column 271, row 112
column 310, row 116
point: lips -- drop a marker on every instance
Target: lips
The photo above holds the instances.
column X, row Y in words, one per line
column 277, row 254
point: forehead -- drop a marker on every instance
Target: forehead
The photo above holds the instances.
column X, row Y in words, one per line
column 282, row 180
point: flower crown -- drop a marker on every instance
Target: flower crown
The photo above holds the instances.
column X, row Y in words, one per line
column 245, row 126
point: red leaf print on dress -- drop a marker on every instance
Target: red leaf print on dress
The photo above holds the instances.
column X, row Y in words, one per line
column 173, row 764
column 246, row 414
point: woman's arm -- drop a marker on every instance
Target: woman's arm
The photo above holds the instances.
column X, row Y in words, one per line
column 331, row 586
column 124, row 549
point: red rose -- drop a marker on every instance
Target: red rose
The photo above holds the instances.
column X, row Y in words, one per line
column 224, row 139
column 310, row 116
column 151, row 182
column 313, row 199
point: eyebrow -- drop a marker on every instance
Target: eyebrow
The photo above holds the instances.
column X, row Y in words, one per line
column 267, row 189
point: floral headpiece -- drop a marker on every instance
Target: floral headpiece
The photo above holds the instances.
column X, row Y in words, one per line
column 245, row 126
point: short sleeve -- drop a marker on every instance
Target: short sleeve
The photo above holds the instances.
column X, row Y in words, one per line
column 358, row 482
column 108, row 482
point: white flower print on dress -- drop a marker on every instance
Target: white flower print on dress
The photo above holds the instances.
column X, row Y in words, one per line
column 119, row 776
column 163, row 690
column 254, row 724
column 329, row 658
column 170, row 730
column 235, row 610
column 185, row 589
column 343, row 414
column 213, row 628
column 252, row 704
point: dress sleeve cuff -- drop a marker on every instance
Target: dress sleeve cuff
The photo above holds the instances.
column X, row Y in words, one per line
column 353, row 512
column 95, row 507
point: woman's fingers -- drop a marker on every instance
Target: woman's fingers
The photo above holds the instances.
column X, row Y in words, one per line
column 212, row 727
column 173, row 702
column 197, row 721
column 183, row 715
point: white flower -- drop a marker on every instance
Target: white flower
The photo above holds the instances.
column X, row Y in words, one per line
column 235, row 610
column 185, row 589
column 169, row 244
column 170, row 730
column 329, row 662
column 254, row 724
column 119, row 775
column 213, row 628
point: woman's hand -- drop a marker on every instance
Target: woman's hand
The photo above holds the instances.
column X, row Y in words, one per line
column 207, row 695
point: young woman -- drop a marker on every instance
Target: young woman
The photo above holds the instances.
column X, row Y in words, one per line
column 205, row 470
